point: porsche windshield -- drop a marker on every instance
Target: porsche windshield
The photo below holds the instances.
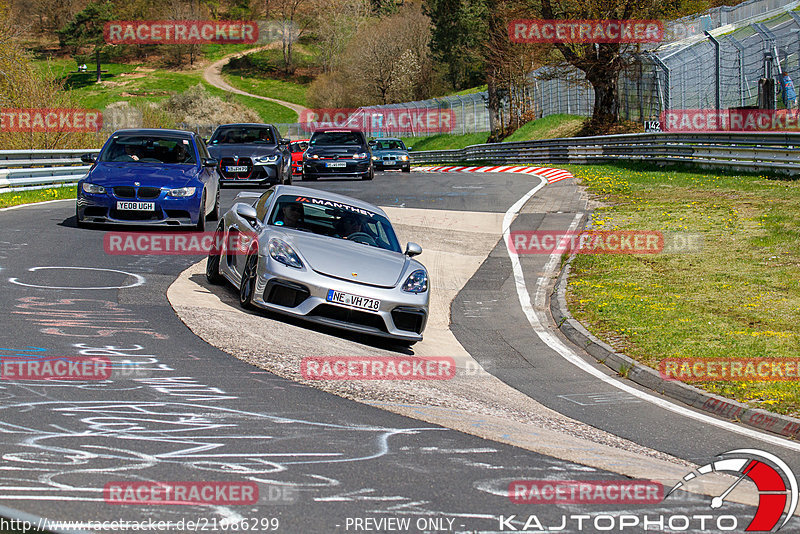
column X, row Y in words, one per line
column 149, row 149
column 334, row 219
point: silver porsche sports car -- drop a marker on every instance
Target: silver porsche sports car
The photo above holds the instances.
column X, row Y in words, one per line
column 324, row 257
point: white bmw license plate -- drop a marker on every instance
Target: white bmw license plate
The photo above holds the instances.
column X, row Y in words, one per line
column 388, row 162
column 136, row 206
column 336, row 164
column 236, row 168
column 353, row 300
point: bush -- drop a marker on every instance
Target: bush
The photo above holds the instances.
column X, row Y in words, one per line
column 196, row 107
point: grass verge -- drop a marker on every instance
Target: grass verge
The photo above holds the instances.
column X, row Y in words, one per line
column 550, row 127
column 738, row 298
column 445, row 141
column 15, row 198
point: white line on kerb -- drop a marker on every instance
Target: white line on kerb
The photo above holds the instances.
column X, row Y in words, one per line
column 537, row 319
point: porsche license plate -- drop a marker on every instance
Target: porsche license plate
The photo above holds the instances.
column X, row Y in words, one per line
column 136, row 206
column 236, row 168
column 336, row 164
column 355, row 301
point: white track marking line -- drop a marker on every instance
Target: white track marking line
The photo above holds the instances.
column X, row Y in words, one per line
column 537, row 319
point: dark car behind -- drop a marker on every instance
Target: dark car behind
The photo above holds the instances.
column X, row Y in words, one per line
column 338, row 153
column 251, row 154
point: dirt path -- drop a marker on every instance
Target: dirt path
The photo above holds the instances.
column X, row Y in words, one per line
column 213, row 75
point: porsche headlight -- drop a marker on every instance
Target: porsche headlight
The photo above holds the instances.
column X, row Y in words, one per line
column 283, row 253
column 182, row 192
column 267, row 159
column 93, row 189
column 417, row 282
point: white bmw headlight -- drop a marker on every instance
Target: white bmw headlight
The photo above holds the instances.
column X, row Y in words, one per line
column 266, row 159
column 93, row 188
column 417, row 282
column 404, row 158
column 283, row 253
column 182, row 192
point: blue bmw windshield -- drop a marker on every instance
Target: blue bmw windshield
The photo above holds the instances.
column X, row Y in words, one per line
column 137, row 148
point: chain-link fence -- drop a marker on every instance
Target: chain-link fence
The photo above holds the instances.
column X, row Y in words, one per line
column 688, row 73
column 693, row 71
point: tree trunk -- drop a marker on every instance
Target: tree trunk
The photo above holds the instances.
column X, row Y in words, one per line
column 97, row 59
column 494, row 103
column 606, row 99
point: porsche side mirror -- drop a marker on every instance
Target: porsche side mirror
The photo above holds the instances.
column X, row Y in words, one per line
column 89, row 158
column 246, row 212
column 412, row 249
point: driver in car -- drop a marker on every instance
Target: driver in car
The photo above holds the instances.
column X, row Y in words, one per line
column 130, row 152
column 292, row 214
column 349, row 224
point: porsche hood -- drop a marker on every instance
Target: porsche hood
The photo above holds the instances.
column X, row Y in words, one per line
column 347, row 260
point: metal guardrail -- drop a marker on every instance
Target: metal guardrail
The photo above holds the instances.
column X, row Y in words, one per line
column 772, row 151
column 30, row 169
column 776, row 152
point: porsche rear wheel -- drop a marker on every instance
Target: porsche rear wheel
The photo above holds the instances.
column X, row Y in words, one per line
column 247, row 287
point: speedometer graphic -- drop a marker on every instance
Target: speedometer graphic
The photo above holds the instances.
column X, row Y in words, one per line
column 774, row 480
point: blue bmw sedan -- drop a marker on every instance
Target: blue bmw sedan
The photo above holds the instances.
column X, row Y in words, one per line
column 150, row 176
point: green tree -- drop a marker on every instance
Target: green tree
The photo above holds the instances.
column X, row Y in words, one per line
column 459, row 35
column 86, row 29
column 602, row 63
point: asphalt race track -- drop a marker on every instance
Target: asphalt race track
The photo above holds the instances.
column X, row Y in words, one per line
column 177, row 408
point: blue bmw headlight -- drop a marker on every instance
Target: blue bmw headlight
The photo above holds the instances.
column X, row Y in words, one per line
column 266, row 159
column 93, row 188
column 283, row 253
column 417, row 282
column 182, row 192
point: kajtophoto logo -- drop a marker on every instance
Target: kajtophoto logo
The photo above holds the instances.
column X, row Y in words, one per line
column 775, row 486
column 774, row 481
